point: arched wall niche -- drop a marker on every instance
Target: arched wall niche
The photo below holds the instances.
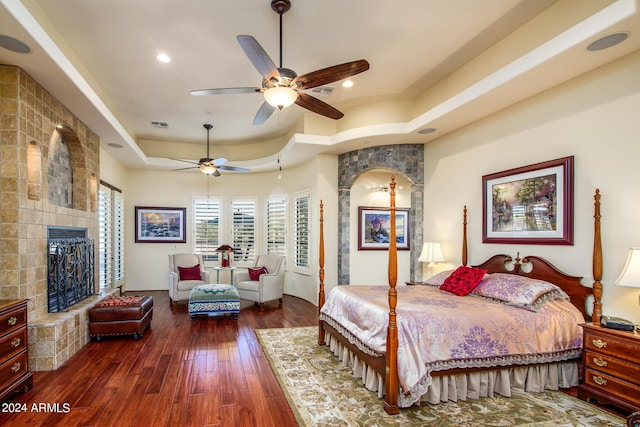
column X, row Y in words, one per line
column 93, row 192
column 406, row 159
column 67, row 179
column 34, row 171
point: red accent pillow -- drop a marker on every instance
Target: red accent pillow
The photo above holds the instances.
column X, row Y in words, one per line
column 190, row 273
column 463, row 280
column 255, row 273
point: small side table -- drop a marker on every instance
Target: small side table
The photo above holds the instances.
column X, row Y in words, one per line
column 219, row 269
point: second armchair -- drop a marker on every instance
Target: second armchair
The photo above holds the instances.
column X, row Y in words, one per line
column 269, row 286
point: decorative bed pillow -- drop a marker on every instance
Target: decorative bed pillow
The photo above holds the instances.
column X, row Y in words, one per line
column 518, row 291
column 463, row 280
column 438, row 278
column 255, row 273
column 190, row 273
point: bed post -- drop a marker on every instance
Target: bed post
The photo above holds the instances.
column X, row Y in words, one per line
column 391, row 369
column 597, row 262
column 464, row 236
column 321, row 276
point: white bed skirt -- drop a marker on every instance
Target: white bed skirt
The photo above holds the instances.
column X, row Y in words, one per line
column 532, row 379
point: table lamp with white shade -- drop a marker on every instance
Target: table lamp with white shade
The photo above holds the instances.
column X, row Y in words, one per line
column 630, row 276
column 431, row 253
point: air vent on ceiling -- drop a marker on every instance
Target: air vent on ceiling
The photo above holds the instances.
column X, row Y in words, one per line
column 161, row 125
column 322, row 91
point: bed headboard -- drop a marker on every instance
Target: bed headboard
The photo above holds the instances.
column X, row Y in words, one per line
column 538, row 268
column 535, row 267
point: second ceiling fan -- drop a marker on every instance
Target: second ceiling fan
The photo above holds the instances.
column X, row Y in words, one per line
column 281, row 86
column 208, row 165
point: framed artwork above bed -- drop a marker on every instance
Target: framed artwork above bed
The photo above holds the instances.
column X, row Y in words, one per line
column 373, row 228
column 530, row 204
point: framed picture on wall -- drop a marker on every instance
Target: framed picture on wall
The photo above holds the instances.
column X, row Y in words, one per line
column 374, row 226
column 530, row 204
column 160, row 225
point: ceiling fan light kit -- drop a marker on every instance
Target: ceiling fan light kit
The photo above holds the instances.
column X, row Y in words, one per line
column 207, row 169
column 282, row 87
column 280, row 97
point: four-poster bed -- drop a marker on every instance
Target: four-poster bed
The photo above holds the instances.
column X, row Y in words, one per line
column 416, row 367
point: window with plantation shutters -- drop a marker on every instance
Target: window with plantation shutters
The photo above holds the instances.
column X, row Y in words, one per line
column 118, row 238
column 104, row 236
column 276, row 225
column 243, row 229
column 206, row 226
column 110, row 236
column 302, row 230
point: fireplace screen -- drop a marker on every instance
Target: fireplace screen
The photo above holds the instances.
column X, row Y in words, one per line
column 70, row 268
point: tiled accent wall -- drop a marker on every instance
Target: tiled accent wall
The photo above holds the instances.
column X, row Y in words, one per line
column 407, row 159
column 59, row 172
column 29, row 117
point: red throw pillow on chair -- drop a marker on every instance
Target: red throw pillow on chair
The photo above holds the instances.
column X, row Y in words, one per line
column 190, row 273
column 255, row 273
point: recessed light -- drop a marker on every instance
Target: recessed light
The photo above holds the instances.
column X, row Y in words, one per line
column 114, row 145
column 163, row 57
column 607, row 41
column 13, row 45
column 426, row 131
column 347, row 83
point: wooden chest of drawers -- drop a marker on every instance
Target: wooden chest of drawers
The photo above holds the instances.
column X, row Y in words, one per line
column 14, row 372
column 611, row 367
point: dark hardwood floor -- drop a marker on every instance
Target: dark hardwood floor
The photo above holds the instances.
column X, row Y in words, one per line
column 211, row 372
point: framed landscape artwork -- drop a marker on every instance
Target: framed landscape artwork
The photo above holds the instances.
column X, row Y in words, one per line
column 160, row 225
column 530, row 204
column 374, row 225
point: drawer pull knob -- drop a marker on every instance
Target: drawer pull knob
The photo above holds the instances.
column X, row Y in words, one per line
column 599, row 343
column 599, row 380
column 16, row 367
column 12, row 320
column 599, row 361
column 16, row 342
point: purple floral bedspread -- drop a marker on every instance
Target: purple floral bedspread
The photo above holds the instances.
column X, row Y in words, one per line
column 438, row 330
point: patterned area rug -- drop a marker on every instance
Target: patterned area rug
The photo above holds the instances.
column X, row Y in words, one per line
column 323, row 393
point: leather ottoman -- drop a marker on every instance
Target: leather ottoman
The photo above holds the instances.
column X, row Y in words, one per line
column 120, row 316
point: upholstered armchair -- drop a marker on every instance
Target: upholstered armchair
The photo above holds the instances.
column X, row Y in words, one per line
column 269, row 286
column 192, row 274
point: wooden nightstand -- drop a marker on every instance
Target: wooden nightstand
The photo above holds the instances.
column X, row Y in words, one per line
column 611, row 367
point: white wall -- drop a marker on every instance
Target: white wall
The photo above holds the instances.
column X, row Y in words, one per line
column 367, row 267
column 596, row 119
column 112, row 171
column 146, row 264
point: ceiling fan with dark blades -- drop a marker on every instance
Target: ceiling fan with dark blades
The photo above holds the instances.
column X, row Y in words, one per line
column 282, row 87
column 209, row 166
